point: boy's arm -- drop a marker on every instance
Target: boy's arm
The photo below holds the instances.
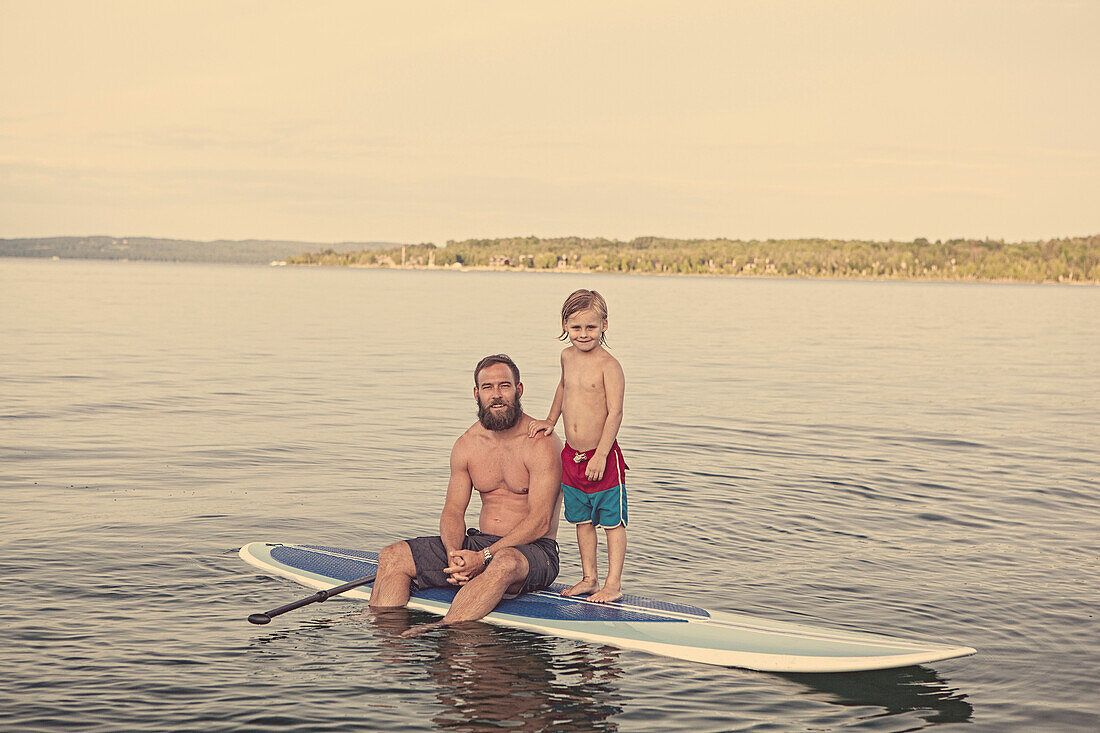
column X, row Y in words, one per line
column 555, row 406
column 614, row 385
column 547, row 425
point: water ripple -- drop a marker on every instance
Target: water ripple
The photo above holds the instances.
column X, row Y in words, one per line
column 872, row 462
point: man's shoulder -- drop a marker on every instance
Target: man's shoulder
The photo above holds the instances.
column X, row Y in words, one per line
column 470, row 437
column 541, row 446
column 542, row 441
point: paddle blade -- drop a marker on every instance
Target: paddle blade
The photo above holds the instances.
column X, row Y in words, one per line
column 259, row 618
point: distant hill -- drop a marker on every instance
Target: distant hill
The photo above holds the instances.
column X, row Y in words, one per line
column 248, row 251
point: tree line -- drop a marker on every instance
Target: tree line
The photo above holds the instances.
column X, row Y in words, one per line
column 1074, row 259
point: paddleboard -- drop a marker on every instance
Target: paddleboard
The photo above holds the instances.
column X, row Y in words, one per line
column 659, row 627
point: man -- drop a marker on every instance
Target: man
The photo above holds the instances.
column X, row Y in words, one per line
column 519, row 480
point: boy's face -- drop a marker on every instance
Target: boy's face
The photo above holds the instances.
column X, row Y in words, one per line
column 585, row 329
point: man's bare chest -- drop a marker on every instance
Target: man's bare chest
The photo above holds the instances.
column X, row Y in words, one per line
column 500, row 471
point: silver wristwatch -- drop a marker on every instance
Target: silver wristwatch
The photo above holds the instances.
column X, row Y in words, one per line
column 487, row 555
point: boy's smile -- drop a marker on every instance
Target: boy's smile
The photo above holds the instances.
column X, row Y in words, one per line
column 585, row 329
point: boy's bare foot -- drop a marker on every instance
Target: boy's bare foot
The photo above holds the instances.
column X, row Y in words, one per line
column 586, row 586
column 606, row 595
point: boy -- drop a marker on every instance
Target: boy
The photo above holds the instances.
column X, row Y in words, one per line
column 590, row 398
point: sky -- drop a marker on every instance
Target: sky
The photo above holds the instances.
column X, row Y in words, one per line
column 429, row 121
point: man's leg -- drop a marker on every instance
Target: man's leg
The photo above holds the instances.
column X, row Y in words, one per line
column 396, row 570
column 507, row 572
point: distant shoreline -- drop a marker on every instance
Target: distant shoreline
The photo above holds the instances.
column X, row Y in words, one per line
column 564, row 271
column 1060, row 261
column 1074, row 260
column 759, row 276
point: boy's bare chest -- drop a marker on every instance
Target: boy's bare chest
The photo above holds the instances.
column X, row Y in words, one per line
column 585, row 380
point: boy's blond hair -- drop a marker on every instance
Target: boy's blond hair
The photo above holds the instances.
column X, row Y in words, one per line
column 582, row 300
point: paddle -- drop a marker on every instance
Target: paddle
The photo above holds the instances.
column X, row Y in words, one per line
column 318, row 597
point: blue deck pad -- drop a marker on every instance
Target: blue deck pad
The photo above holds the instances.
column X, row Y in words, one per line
column 345, row 565
column 552, row 606
column 372, row 556
column 323, row 563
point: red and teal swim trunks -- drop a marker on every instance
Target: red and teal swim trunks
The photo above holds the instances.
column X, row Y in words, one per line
column 601, row 503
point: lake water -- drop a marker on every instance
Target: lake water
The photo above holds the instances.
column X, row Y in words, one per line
column 919, row 459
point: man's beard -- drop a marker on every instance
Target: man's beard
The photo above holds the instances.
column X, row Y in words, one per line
column 499, row 420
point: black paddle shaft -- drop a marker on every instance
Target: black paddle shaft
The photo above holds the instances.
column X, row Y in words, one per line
column 319, row 597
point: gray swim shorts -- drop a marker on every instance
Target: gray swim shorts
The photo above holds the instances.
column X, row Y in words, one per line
column 430, row 558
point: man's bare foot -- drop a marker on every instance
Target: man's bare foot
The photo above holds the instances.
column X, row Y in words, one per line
column 586, row 586
column 606, row 595
column 418, row 630
column 393, row 619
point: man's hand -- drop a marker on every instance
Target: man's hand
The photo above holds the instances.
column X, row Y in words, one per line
column 539, row 426
column 595, row 468
column 465, row 565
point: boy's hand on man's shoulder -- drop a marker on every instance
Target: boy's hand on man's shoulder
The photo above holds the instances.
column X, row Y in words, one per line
column 539, row 426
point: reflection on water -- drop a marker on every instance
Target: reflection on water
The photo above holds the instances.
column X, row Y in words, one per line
column 894, row 690
column 488, row 677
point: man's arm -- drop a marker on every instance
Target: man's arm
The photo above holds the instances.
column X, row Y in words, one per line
column 452, row 520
